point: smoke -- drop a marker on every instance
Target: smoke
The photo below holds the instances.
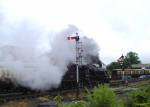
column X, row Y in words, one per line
column 90, row 51
column 36, row 59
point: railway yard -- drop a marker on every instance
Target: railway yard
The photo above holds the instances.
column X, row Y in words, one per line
column 49, row 99
column 74, row 53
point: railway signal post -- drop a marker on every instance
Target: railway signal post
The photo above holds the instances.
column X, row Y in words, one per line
column 79, row 57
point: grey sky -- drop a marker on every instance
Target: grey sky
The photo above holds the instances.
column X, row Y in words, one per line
column 118, row 26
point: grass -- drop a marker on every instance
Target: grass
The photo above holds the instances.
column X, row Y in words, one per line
column 139, row 84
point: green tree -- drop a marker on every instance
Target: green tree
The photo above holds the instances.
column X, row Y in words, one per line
column 113, row 65
column 131, row 58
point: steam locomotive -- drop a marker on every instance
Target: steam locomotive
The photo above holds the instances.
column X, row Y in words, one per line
column 89, row 76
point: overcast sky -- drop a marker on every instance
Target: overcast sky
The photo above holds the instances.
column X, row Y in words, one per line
column 118, row 26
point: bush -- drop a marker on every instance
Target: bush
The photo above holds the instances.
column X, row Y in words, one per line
column 139, row 98
column 103, row 96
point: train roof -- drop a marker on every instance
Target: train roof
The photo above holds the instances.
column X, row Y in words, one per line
column 130, row 69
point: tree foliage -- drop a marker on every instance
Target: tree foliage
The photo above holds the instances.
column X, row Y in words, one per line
column 131, row 58
column 113, row 65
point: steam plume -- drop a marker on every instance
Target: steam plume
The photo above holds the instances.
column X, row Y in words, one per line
column 24, row 56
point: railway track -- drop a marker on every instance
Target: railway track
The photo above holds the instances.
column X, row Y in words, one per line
column 5, row 97
column 122, row 82
column 18, row 96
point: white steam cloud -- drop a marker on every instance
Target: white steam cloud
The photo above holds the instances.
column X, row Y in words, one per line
column 31, row 63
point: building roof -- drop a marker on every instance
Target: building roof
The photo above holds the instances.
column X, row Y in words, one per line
column 140, row 65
